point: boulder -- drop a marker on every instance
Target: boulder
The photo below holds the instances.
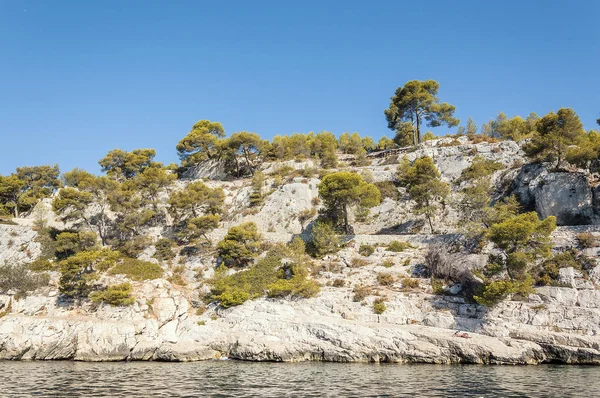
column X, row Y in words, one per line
column 567, row 196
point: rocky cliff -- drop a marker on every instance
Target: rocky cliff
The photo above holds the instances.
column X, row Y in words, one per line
column 168, row 322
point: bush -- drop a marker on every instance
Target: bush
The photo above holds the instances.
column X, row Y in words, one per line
column 398, row 246
column 115, row 295
column 388, row 190
column 388, row 263
column 385, row 279
column 480, row 168
column 366, row 250
column 133, row 247
column 379, row 306
column 587, row 240
column 549, row 269
column 17, row 278
column 361, row 292
column 69, row 243
column 410, row 283
column 267, row 277
column 339, row 282
column 306, row 215
column 41, row 265
column 137, row 270
column 357, row 262
column 164, row 251
column 241, row 245
column 324, row 239
column 494, row 292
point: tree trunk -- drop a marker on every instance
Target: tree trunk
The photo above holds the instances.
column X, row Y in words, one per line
column 418, row 129
column 248, row 161
column 430, row 223
column 346, row 220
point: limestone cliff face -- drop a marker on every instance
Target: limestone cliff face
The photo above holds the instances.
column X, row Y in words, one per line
column 556, row 324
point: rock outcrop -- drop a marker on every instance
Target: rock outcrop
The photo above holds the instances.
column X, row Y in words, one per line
column 567, row 196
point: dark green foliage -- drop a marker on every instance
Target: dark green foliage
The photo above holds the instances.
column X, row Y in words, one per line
column 494, row 292
column 120, row 165
column 555, row 132
column 549, row 269
column 480, row 168
column 366, row 250
column 137, row 270
column 132, row 247
column 415, row 104
column 201, row 143
column 324, row 240
column 258, row 182
column 422, row 179
column 80, row 270
column 69, row 243
column 41, row 265
column 164, row 251
column 269, row 276
column 241, row 245
column 342, row 190
column 20, row 191
column 115, row 295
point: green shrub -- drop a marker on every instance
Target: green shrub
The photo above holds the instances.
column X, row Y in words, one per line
column 437, row 286
column 137, row 270
column 366, row 250
column 379, row 306
column 133, row 247
column 494, row 292
column 398, row 246
column 324, row 240
column 241, row 245
column 232, row 297
column 115, row 295
column 267, row 277
column 18, row 279
column 385, row 279
column 68, row 243
column 41, row 265
column 480, row 168
column 549, row 269
column 164, row 251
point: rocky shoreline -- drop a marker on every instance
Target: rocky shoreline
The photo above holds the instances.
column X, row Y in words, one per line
column 321, row 329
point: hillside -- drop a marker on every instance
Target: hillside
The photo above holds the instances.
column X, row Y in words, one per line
column 375, row 292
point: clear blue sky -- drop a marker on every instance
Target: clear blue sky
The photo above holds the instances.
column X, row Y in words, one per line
column 79, row 78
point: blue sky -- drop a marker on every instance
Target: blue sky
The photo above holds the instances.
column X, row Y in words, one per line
column 79, row 78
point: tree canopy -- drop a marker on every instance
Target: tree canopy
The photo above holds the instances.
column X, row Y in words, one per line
column 201, row 143
column 417, row 103
column 555, row 132
column 22, row 190
column 343, row 189
column 422, row 179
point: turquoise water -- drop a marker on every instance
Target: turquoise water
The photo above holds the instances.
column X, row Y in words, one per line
column 244, row 379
